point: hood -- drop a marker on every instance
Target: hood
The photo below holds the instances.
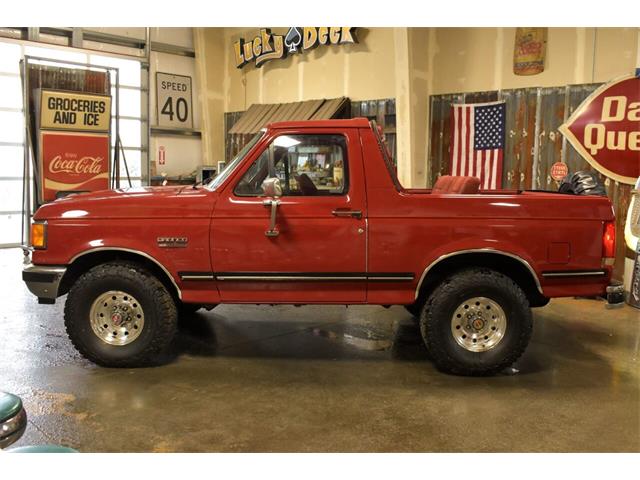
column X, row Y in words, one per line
column 136, row 202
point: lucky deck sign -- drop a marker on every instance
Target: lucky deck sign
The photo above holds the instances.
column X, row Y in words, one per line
column 268, row 46
column 605, row 129
column 73, row 162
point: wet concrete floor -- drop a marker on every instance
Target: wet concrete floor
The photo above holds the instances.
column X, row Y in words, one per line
column 259, row 378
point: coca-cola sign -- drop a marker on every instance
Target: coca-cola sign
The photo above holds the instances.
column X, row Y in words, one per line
column 605, row 129
column 73, row 162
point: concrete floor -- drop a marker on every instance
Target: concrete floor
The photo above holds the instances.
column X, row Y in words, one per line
column 254, row 378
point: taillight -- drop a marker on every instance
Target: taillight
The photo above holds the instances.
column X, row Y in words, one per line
column 609, row 240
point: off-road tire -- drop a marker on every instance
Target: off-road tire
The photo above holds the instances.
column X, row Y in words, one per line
column 160, row 314
column 435, row 322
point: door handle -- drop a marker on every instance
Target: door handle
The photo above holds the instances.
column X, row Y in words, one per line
column 272, row 232
column 343, row 212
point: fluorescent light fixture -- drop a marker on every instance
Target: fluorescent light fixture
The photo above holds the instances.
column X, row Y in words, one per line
column 285, row 141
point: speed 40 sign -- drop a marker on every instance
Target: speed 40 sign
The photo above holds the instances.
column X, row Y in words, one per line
column 173, row 100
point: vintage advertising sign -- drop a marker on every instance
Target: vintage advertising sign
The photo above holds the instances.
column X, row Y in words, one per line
column 73, row 162
column 605, row 129
column 558, row 171
column 529, row 50
column 60, row 110
column 174, row 100
column 268, row 46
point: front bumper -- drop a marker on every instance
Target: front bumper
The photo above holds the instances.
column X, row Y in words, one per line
column 615, row 295
column 43, row 281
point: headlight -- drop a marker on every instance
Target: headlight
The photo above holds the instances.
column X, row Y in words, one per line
column 39, row 235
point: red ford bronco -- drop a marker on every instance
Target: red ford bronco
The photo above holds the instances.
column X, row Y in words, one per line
column 312, row 213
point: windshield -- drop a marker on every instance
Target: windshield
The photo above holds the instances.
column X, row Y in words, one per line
column 231, row 166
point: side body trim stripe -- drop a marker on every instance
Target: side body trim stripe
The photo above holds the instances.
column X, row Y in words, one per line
column 297, row 276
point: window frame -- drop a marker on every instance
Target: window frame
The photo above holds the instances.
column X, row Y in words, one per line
column 271, row 167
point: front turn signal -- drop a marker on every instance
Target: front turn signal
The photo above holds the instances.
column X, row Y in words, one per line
column 39, row 235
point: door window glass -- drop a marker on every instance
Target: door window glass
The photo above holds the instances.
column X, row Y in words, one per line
column 306, row 165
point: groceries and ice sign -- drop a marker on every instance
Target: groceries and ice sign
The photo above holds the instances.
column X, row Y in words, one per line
column 75, row 111
column 605, row 129
column 73, row 143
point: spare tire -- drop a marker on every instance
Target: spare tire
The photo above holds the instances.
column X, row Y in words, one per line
column 582, row 183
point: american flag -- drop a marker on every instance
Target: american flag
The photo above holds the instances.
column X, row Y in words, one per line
column 477, row 142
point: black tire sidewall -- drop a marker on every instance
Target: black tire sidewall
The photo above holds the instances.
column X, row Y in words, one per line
column 437, row 332
column 80, row 326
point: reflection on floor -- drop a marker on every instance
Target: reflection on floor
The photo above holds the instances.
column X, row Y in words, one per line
column 259, row 378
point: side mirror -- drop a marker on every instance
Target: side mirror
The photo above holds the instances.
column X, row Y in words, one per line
column 13, row 419
column 271, row 187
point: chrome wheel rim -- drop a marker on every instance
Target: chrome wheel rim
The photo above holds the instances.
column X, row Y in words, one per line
column 478, row 324
column 116, row 317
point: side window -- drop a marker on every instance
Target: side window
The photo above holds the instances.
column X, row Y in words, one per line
column 307, row 165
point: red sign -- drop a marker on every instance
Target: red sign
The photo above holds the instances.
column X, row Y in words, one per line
column 605, row 129
column 161, row 156
column 559, row 170
column 73, row 162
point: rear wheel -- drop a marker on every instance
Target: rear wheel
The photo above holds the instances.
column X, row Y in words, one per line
column 477, row 322
column 119, row 315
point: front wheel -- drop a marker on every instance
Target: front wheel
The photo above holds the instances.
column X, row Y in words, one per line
column 477, row 322
column 119, row 315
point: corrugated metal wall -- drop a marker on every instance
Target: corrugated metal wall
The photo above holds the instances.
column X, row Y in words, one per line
column 383, row 111
column 533, row 143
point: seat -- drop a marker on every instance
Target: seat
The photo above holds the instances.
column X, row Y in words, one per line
column 452, row 185
column 307, row 187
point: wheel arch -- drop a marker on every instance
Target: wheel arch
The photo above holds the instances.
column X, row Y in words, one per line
column 509, row 264
column 84, row 261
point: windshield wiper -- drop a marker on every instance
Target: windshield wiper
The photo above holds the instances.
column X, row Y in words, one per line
column 202, row 182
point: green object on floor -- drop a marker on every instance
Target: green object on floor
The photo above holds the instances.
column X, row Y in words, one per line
column 42, row 449
column 10, row 405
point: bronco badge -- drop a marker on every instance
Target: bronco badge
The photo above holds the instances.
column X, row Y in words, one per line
column 172, row 242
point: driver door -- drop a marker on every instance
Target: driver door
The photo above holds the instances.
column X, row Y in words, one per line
column 316, row 250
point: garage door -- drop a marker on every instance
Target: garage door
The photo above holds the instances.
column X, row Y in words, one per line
column 12, row 139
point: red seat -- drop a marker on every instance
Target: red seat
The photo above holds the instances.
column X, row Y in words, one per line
column 448, row 184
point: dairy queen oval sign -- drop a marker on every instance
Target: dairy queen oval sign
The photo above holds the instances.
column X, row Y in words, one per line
column 605, row 129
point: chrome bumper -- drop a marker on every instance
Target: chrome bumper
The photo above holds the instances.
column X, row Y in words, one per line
column 615, row 296
column 43, row 281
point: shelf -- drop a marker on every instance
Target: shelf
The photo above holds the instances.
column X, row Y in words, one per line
column 179, row 132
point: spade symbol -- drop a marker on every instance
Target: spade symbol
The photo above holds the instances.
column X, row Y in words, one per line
column 293, row 39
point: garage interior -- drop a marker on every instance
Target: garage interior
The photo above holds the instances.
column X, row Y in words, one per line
column 259, row 378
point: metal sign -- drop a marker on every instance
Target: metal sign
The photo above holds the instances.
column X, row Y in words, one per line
column 268, row 46
column 529, row 50
column 605, row 129
column 73, row 162
column 75, row 111
column 174, row 100
column 558, row 171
